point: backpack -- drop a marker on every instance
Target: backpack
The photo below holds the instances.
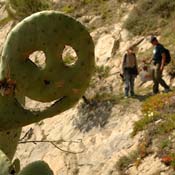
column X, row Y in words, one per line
column 168, row 56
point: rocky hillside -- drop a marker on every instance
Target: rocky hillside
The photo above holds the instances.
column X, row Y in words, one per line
column 109, row 135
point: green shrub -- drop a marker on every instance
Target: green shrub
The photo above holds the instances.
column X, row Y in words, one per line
column 148, row 15
column 152, row 111
column 171, row 68
column 102, row 71
column 163, row 7
column 167, row 125
column 143, row 123
column 68, row 9
column 156, row 103
column 69, row 60
column 19, row 9
column 124, row 162
column 23, row 8
column 165, row 143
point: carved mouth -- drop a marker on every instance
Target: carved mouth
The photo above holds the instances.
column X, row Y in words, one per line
column 36, row 106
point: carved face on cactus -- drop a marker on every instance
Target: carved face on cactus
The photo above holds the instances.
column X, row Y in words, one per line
column 49, row 32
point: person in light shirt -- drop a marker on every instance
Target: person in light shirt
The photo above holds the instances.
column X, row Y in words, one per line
column 129, row 71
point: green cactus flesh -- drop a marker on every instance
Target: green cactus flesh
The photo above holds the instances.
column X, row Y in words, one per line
column 36, row 168
column 16, row 165
column 9, row 141
column 13, row 115
column 6, row 168
column 50, row 32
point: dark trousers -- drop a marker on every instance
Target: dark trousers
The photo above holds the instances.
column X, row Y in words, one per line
column 157, row 78
column 129, row 83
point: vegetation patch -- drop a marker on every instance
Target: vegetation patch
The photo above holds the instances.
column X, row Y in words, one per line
column 102, row 71
column 156, row 108
column 167, row 36
column 158, row 124
column 68, row 9
column 156, row 103
column 148, row 16
column 124, row 162
column 134, row 158
column 19, row 9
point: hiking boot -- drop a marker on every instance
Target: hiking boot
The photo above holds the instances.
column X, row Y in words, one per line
column 132, row 94
column 167, row 90
column 155, row 93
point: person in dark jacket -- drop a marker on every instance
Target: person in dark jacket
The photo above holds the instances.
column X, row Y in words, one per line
column 159, row 59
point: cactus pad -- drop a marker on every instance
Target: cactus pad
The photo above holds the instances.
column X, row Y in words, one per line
column 36, row 168
column 9, row 141
column 6, row 167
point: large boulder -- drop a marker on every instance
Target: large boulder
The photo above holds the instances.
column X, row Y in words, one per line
column 105, row 49
column 96, row 34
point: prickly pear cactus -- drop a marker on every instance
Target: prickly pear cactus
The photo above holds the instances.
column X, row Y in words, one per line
column 34, row 168
column 38, row 168
column 9, row 141
column 6, row 167
column 50, row 32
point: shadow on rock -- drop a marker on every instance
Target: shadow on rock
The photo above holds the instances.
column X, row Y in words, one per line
column 143, row 97
column 93, row 114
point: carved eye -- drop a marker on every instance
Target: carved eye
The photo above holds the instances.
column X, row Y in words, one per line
column 12, row 172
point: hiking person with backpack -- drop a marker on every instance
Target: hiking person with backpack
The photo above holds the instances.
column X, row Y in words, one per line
column 129, row 71
column 161, row 57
